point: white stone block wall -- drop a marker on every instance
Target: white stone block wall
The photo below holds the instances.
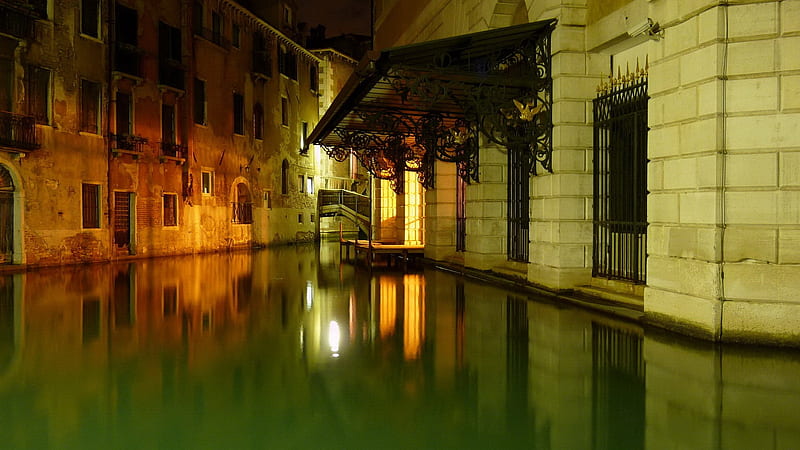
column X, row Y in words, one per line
column 561, row 202
column 724, row 203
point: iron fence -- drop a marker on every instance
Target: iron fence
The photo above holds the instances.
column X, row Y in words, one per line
column 519, row 169
column 18, row 131
column 242, row 212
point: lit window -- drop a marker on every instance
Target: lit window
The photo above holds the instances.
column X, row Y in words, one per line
column 268, row 199
column 90, row 200
column 303, row 136
column 208, row 182
column 310, row 185
column 170, row 210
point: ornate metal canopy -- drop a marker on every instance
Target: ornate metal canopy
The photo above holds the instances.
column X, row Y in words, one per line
column 408, row 106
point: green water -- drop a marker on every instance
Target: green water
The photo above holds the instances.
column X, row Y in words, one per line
column 289, row 349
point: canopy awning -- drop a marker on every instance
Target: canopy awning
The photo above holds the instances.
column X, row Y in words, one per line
column 407, row 106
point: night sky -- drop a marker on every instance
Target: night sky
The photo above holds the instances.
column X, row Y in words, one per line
column 338, row 16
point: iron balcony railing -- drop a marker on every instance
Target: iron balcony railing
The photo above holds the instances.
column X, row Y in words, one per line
column 18, row 131
column 173, row 150
column 356, row 202
column 262, row 63
column 17, row 21
column 127, row 142
column 170, row 73
column 242, row 212
column 127, row 59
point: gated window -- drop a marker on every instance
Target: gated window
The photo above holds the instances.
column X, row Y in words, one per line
column 90, row 106
column 620, row 182
column 461, row 214
column 38, row 98
column 519, row 167
column 91, row 205
column 199, row 101
column 170, row 210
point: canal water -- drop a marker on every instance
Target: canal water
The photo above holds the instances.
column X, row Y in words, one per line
column 288, row 348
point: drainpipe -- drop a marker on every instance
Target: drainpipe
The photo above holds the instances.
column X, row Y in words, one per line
column 722, row 172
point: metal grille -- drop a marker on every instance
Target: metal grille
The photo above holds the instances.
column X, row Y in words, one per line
column 620, row 182
column 122, row 218
column 519, row 168
column 91, row 205
column 461, row 214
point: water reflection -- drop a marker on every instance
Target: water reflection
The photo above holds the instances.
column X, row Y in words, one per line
column 287, row 348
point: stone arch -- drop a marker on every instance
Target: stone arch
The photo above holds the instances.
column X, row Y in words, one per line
column 11, row 200
column 509, row 12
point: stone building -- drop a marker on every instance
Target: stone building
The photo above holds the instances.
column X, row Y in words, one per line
column 151, row 128
column 641, row 151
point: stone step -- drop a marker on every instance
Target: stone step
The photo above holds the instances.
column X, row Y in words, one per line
column 626, row 299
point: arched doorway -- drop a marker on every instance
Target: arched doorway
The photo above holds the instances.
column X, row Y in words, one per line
column 6, row 216
column 242, row 207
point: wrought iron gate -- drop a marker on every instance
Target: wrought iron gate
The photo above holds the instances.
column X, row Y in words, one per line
column 519, row 169
column 620, row 181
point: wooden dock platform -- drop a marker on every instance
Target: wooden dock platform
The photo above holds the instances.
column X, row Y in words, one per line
column 373, row 248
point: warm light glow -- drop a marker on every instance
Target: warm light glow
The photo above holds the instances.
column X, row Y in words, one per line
column 334, row 336
column 415, row 211
column 309, row 295
column 388, row 212
column 414, row 315
column 388, row 311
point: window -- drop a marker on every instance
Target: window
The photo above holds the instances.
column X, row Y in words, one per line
column 258, row 121
column 301, row 183
column 6, row 83
column 303, row 136
column 313, row 78
column 284, row 111
column 123, row 109
column 311, row 218
column 235, row 36
column 197, row 18
column 238, row 113
column 199, row 101
column 127, row 55
column 262, row 62
column 268, row 199
column 216, row 28
column 170, row 210
column 170, row 71
column 287, row 15
column 300, row 218
column 168, row 124
column 310, row 185
column 90, row 106
column 285, row 177
column 90, row 17
column 242, row 208
column 208, row 182
column 90, row 199
column 38, row 94
column 287, row 62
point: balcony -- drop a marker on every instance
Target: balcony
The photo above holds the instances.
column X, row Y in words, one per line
column 127, row 59
column 170, row 73
column 242, row 212
column 18, row 132
column 17, row 21
column 173, row 152
column 127, row 144
column 213, row 36
column 262, row 63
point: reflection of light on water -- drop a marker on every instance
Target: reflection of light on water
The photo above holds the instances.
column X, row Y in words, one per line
column 388, row 304
column 414, row 315
column 309, row 295
column 333, row 338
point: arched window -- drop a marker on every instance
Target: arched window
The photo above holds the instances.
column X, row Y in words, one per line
column 285, row 177
column 258, row 121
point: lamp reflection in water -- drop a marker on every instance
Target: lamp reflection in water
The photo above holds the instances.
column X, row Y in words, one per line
column 414, row 315
column 334, row 335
